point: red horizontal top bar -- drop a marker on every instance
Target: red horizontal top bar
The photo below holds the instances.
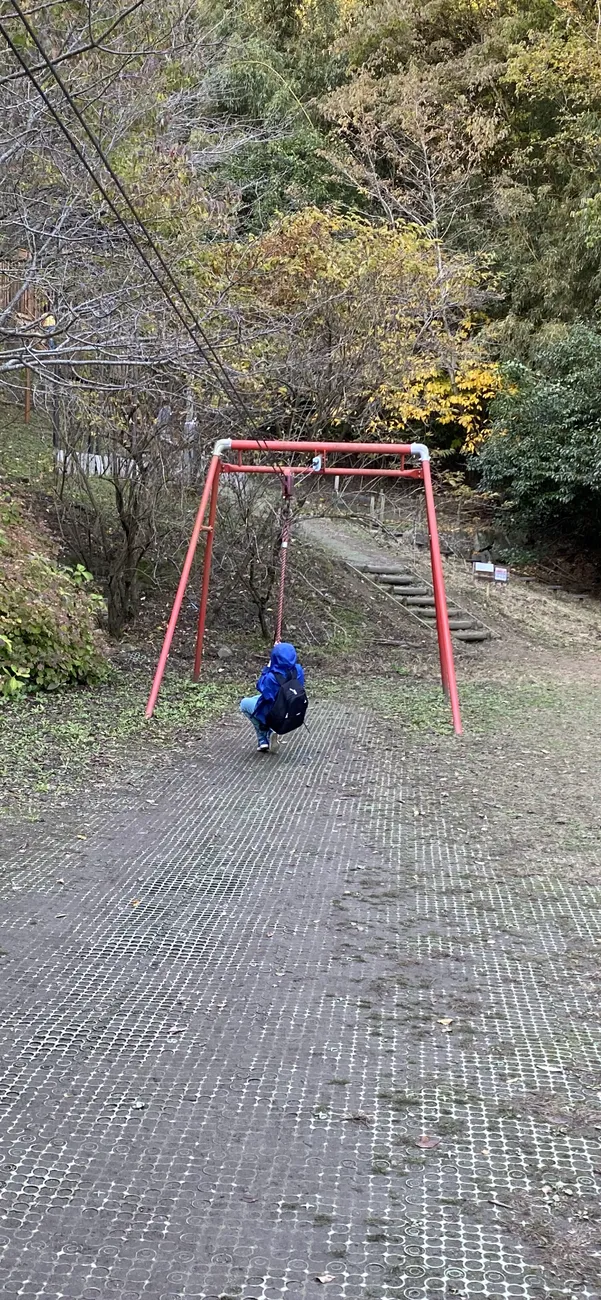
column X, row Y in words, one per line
column 342, row 471
column 349, row 448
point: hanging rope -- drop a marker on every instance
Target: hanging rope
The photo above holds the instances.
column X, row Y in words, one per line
column 286, row 529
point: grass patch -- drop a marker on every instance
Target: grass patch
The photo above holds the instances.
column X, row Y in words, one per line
column 53, row 744
column 26, row 450
column 422, row 708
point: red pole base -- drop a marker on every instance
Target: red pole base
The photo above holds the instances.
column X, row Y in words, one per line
column 445, row 645
column 206, row 578
column 181, row 590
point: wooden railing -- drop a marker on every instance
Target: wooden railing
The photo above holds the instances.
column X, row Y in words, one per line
column 30, row 302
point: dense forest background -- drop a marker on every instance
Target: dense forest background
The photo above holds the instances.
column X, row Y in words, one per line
column 386, row 220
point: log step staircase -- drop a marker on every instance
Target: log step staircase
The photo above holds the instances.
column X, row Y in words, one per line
column 417, row 596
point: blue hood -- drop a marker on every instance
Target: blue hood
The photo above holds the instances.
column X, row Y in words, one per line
column 283, row 657
column 283, row 661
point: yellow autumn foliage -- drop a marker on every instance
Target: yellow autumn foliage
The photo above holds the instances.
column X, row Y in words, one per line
column 433, row 398
column 363, row 325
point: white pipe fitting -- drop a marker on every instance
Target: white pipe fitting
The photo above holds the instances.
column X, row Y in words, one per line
column 223, row 445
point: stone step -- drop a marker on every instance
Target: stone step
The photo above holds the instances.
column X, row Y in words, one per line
column 478, row 634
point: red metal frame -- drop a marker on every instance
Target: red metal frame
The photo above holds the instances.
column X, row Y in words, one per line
column 323, row 449
column 206, row 574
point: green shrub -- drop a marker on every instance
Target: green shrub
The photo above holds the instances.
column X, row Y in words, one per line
column 544, row 455
column 48, row 620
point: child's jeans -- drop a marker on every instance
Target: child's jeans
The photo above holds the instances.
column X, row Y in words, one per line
column 247, row 707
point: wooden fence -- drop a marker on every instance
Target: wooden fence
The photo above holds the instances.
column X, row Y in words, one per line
column 30, row 301
column 26, row 302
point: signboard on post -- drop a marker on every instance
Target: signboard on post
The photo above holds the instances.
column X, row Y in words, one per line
column 501, row 574
column 483, row 569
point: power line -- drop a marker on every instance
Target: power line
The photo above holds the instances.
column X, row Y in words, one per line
column 79, row 49
column 208, row 351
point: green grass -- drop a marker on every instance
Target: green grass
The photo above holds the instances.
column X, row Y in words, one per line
column 26, row 454
column 27, row 463
column 349, row 631
column 52, row 744
column 422, row 708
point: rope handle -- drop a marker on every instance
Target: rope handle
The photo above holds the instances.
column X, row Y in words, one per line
column 287, row 525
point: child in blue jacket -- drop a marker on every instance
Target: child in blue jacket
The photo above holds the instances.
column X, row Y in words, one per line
column 256, row 707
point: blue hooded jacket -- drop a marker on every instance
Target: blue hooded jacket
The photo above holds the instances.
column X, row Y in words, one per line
column 284, row 661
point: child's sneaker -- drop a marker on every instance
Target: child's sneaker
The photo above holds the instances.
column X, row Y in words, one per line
column 263, row 745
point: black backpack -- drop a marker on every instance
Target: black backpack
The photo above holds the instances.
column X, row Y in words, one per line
column 289, row 707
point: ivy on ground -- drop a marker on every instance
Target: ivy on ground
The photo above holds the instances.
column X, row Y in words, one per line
column 49, row 634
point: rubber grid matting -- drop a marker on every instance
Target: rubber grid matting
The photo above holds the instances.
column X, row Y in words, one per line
column 220, row 1040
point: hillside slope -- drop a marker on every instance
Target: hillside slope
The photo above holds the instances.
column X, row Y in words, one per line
column 48, row 620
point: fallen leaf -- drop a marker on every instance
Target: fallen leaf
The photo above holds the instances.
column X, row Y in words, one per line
column 446, row 1020
column 426, row 1143
column 81, row 837
column 60, row 881
column 135, row 902
column 325, row 1277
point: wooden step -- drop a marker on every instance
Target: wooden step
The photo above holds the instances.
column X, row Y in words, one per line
column 419, row 600
column 430, row 612
column 478, row 634
column 380, row 568
column 461, row 624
